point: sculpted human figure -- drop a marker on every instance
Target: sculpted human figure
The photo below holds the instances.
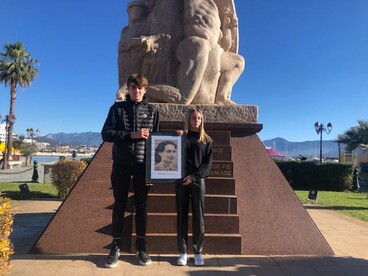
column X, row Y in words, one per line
column 232, row 64
column 206, row 73
column 148, row 44
column 198, row 52
column 229, row 28
column 156, row 62
column 131, row 49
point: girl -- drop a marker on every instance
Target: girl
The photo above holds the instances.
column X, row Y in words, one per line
column 192, row 188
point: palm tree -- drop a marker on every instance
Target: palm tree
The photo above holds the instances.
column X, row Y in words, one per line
column 355, row 135
column 16, row 68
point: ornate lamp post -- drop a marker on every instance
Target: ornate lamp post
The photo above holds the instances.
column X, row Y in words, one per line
column 31, row 133
column 9, row 119
column 319, row 127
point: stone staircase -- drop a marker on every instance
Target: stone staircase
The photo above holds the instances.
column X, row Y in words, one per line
column 221, row 219
column 250, row 208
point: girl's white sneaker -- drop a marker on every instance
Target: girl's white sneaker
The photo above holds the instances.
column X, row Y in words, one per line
column 182, row 260
column 198, row 259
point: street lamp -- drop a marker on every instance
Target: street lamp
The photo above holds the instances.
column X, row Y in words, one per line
column 319, row 127
column 31, row 133
column 9, row 119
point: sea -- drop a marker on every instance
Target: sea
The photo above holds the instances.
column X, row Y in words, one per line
column 49, row 159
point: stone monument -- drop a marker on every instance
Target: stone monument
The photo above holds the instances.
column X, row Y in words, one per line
column 188, row 51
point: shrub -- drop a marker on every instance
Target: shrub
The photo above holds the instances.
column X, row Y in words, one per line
column 6, row 223
column 320, row 176
column 87, row 160
column 65, row 174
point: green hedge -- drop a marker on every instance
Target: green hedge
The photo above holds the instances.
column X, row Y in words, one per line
column 320, row 176
column 65, row 174
column 87, row 160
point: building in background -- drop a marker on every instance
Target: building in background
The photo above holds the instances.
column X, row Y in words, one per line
column 2, row 132
column 276, row 155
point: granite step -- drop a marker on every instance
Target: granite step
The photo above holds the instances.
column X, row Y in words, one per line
column 214, row 223
column 214, row 204
column 213, row 244
column 214, row 185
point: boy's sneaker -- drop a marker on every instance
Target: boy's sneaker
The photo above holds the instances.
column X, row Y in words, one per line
column 143, row 257
column 141, row 252
column 198, row 259
column 112, row 259
column 183, row 259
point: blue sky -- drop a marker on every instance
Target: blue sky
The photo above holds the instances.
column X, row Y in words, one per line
column 306, row 61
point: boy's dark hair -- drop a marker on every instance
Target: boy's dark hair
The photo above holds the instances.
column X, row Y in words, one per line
column 138, row 80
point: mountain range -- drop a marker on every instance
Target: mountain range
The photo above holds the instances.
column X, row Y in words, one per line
column 309, row 149
column 78, row 138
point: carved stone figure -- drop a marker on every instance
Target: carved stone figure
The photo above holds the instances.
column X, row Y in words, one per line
column 186, row 48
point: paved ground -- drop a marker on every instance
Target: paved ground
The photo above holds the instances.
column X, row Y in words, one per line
column 22, row 174
column 348, row 238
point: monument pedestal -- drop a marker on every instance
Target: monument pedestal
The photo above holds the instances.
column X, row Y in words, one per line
column 250, row 208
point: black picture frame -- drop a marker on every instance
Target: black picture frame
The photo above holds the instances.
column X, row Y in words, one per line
column 157, row 170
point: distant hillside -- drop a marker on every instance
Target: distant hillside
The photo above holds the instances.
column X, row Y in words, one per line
column 84, row 138
column 309, row 149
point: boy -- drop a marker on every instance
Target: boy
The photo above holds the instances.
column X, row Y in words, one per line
column 128, row 125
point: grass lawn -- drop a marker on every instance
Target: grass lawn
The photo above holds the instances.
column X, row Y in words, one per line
column 36, row 190
column 349, row 203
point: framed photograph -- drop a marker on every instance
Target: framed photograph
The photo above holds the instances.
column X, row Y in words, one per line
column 165, row 158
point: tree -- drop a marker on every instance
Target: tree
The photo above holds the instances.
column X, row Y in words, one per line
column 17, row 67
column 355, row 135
column 28, row 150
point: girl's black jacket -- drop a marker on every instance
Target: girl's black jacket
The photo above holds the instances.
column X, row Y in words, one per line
column 199, row 156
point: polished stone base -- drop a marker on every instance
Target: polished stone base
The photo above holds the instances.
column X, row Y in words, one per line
column 230, row 114
column 250, row 207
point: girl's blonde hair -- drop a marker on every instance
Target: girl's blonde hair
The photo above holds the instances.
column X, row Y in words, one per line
column 203, row 136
